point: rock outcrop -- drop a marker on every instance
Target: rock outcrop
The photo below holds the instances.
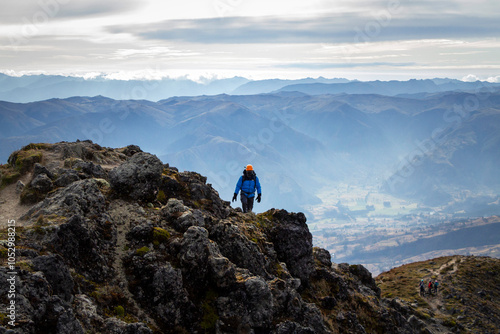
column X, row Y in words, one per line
column 117, row 242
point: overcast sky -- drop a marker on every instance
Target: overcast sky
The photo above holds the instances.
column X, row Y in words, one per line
column 355, row 39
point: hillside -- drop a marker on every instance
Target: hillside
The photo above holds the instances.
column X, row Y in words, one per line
column 426, row 148
column 114, row 241
column 468, row 297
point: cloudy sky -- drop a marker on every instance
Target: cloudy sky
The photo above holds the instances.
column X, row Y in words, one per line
column 355, row 39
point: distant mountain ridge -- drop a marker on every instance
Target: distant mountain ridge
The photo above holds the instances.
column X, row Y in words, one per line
column 29, row 88
column 390, row 88
column 299, row 142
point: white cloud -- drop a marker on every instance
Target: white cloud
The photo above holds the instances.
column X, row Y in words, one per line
column 471, row 78
column 494, row 79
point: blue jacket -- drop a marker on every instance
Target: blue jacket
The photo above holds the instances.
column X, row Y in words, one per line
column 248, row 187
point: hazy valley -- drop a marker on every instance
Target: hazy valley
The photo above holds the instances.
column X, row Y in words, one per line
column 375, row 166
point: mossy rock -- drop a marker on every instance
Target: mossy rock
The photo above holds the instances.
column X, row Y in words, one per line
column 265, row 220
column 24, row 160
column 160, row 235
column 3, row 253
column 210, row 315
column 102, row 183
column 70, row 162
column 36, row 146
column 30, row 196
column 161, row 197
column 3, row 319
column 119, row 311
column 9, row 177
column 142, row 251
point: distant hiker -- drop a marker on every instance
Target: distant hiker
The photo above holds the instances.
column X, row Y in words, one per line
column 430, row 287
column 436, row 284
column 248, row 183
column 422, row 287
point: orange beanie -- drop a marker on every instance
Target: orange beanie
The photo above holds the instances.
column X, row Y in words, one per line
column 249, row 167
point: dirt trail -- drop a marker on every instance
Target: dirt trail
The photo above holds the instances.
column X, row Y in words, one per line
column 10, row 206
column 436, row 301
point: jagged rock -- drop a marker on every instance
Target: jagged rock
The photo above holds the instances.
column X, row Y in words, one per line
column 81, row 198
column 86, row 311
column 181, row 216
column 85, row 246
column 322, row 256
column 19, row 187
column 415, row 323
column 138, row 178
column 117, row 326
column 170, row 296
column 57, row 274
column 365, row 277
column 238, row 249
column 59, row 318
column 131, row 150
column 90, row 169
column 42, row 184
column 39, row 169
column 293, row 243
column 196, row 253
column 41, row 311
column 174, row 208
column 251, row 305
column 66, row 177
column 290, row 327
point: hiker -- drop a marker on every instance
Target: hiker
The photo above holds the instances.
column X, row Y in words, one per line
column 422, row 287
column 248, row 183
column 436, row 284
column 430, row 287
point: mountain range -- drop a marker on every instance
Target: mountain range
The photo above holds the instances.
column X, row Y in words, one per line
column 29, row 88
column 430, row 147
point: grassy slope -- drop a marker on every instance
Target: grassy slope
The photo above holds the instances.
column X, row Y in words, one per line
column 469, row 296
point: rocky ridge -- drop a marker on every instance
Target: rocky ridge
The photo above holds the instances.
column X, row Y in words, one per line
column 114, row 241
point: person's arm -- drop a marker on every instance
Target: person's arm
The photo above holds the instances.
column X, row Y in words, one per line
column 238, row 185
column 257, row 183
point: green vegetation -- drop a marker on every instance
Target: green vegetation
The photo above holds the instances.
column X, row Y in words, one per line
column 23, row 160
column 161, row 197
column 36, row 146
column 160, row 235
column 468, row 286
column 119, row 311
column 142, row 251
column 8, row 175
column 265, row 220
column 70, row 162
column 210, row 315
column 3, row 252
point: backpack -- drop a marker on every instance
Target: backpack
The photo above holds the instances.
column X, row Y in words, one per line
column 249, row 175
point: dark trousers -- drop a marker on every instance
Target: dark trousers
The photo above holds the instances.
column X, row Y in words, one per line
column 247, row 203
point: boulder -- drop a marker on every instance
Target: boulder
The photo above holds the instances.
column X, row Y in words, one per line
column 42, row 184
column 90, row 169
column 293, row 243
column 66, row 177
column 138, row 178
column 57, row 274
